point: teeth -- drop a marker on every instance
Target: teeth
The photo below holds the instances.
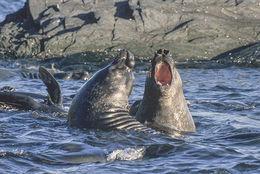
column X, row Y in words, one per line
column 160, row 84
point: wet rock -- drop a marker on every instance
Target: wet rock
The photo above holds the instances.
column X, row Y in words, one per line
column 248, row 55
column 192, row 30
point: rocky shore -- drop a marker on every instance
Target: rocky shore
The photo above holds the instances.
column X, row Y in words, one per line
column 191, row 29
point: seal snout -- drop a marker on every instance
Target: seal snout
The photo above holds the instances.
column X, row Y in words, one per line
column 162, row 52
column 130, row 60
column 163, row 74
column 127, row 58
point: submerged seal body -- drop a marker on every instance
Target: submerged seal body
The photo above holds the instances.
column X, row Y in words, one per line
column 163, row 106
column 102, row 102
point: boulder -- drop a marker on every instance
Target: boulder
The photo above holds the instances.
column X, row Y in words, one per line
column 192, row 30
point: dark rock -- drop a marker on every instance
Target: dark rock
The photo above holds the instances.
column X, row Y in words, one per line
column 248, row 55
column 192, row 30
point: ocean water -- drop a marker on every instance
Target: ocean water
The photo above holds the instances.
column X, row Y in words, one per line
column 224, row 102
column 9, row 6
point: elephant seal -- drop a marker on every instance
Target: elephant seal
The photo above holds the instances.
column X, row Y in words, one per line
column 24, row 101
column 102, row 102
column 163, row 106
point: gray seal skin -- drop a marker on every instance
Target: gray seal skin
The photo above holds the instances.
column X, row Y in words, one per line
column 102, row 102
column 24, row 101
column 163, row 106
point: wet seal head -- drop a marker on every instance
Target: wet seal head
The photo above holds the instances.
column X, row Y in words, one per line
column 163, row 106
column 120, row 75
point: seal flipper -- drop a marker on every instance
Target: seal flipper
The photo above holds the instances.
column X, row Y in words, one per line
column 53, row 87
column 134, row 108
column 19, row 101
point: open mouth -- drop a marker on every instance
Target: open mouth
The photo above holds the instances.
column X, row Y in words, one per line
column 163, row 74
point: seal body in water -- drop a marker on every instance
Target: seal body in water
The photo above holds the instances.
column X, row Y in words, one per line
column 25, row 101
column 163, row 106
column 102, row 102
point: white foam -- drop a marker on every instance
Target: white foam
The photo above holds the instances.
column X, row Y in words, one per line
column 127, row 154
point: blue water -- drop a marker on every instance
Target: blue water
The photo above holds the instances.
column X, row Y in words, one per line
column 9, row 6
column 224, row 102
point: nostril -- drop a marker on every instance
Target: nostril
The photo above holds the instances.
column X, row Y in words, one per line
column 160, row 51
column 166, row 52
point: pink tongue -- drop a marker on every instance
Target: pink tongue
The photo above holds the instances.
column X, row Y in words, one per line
column 163, row 74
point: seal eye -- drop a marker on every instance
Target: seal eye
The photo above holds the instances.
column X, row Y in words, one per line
column 163, row 74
